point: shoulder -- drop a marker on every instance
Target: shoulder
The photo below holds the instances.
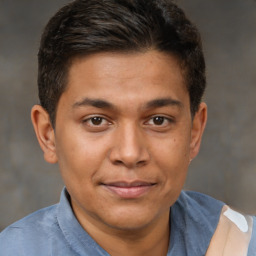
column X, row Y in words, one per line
column 38, row 226
column 194, row 218
column 199, row 207
column 218, row 227
column 235, row 234
column 35, row 221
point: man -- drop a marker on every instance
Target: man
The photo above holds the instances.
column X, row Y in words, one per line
column 120, row 85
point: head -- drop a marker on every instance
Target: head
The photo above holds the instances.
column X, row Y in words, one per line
column 120, row 84
column 87, row 27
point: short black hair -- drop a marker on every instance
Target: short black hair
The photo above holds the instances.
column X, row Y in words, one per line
column 85, row 27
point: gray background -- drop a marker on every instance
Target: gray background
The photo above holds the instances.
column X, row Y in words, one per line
column 226, row 165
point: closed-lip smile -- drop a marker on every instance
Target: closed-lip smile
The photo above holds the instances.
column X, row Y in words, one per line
column 129, row 190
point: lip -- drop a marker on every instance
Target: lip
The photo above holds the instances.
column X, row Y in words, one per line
column 129, row 190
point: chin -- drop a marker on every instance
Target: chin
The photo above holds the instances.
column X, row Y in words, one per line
column 130, row 219
column 128, row 224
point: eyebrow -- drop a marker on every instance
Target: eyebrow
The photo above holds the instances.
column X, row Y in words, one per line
column 163, row 102
column 98, row 103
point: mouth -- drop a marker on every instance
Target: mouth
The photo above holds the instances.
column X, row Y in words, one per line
column 129, row 190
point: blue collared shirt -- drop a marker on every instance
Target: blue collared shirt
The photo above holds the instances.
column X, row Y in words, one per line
column 55, row 230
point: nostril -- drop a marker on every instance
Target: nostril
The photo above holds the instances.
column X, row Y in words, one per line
column 141, row 163
column 118, row 162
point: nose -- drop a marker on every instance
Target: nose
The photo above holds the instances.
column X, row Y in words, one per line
column 129, row 148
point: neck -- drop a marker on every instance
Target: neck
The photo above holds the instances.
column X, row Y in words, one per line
column 151, row 240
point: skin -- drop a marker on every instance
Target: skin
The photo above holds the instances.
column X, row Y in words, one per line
column 123, row 139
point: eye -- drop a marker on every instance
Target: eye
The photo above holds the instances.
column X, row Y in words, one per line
column 96, row 120
column 159, row 121
column 97, row 123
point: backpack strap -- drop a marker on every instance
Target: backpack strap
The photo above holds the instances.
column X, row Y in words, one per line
column 233, row 234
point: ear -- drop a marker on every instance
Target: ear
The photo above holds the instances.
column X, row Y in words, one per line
column 198, row 126
column 44, row 133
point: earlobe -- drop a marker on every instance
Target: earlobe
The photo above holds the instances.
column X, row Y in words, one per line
column 44, row 133
column 198, row 126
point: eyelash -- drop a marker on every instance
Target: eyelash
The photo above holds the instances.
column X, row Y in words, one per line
column 102, row 119
column 162, row 118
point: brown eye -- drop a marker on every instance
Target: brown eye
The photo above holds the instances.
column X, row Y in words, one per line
column 158, row 120
column 96, row 120
column 96, row 124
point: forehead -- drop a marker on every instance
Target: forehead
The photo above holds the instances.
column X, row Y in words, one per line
column 134, row 76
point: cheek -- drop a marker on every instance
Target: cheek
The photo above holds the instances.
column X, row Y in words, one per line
column 173, row 152
column 172, row 159
column 78, row 156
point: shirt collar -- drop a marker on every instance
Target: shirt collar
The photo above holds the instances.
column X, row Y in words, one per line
column 77, row 238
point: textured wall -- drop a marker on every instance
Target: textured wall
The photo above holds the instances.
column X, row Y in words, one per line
column 226, row 166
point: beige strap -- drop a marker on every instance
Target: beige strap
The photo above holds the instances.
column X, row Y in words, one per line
column 232, row 236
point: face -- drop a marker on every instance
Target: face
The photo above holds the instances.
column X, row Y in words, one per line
column 124, row 137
